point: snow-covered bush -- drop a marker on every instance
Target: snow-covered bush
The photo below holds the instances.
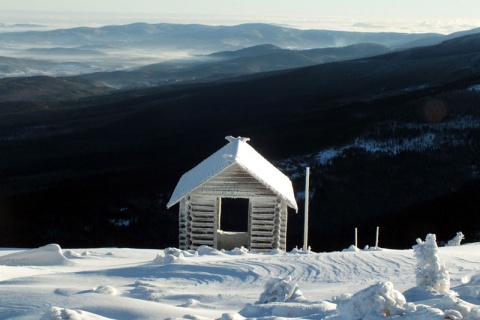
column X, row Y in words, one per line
column 280, row 290
column 430, row 273
column 379, row 300
column 456, row 240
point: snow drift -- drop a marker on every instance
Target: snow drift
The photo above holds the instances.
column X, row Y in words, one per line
column 49, row 255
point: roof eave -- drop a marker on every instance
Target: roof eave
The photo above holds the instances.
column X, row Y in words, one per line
column 171, row 203
column 291, row 204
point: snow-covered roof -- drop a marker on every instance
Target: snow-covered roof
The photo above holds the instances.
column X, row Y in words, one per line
column 237, row 151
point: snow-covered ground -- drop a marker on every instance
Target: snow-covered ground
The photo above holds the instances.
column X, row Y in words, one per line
column 121, row 283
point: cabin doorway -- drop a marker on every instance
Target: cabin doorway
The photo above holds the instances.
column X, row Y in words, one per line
column 233, row 223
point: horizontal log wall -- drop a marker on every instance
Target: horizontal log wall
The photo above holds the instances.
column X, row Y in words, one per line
column 266, row 226
column 202, row 216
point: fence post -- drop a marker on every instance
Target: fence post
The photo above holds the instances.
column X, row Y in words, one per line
column 356, row 237
column 307, row 195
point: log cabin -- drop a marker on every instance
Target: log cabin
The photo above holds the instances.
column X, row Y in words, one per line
column 235, row 171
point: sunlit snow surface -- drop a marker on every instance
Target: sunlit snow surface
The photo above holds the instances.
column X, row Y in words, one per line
column 112, row 283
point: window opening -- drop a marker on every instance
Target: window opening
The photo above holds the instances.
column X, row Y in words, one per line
column 234, row 214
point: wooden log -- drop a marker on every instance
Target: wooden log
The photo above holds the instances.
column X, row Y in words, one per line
column 198, row 243
column 202, row 229
column 206, row 236
column 261, row 219
column 206, row 221
column 263, row 245
column 263, row 223
column 264, row 233
column 258, row 239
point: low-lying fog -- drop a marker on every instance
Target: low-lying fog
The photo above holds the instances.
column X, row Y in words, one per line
column 71, row 61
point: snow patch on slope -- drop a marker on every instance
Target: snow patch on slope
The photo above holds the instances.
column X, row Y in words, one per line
column 475, row 88
column 391, row 139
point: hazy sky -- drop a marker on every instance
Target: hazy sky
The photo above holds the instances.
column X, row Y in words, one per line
column 338, row 14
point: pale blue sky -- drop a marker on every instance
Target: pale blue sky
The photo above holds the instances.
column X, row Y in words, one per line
column 419, row 8
column 300, row 13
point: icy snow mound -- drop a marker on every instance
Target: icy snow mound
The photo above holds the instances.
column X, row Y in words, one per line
column 352, row 248
column 174, row 255
column 192, row 303
column 209, row 251
column 282, row 298
column 280, row 290
column 55, row 313
column 239, row 251
column 461, row 309
column 70, row 254
column 49, row 255
column 105, row 289
column 168, row 258
column 470, row 288
column 378, row 300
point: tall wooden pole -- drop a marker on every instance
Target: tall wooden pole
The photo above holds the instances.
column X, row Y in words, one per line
column 307, row 196
column 356, row 237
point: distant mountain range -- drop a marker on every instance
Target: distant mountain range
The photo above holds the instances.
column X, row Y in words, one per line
column 202, row 38
column 150, row 52
column 113, row 48
column 76, row 51
column 390, row 139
